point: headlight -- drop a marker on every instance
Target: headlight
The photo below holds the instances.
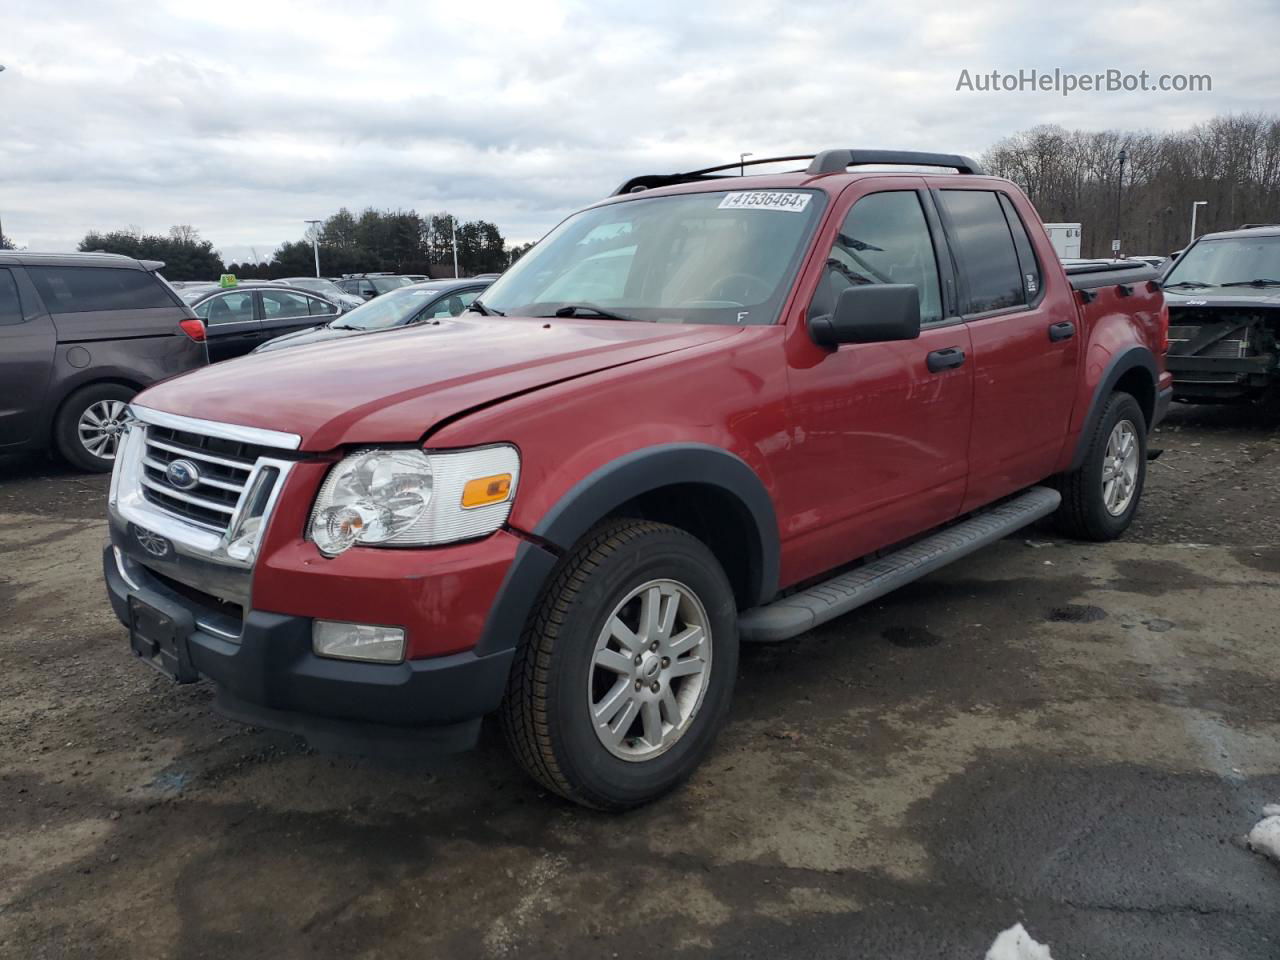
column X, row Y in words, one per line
column 413, row 498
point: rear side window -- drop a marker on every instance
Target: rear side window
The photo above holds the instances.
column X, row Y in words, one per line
column 226, row 308
column 88, row 289
column 321, row 308
column 10, row 305
column 985, row 246
column 1022, row 245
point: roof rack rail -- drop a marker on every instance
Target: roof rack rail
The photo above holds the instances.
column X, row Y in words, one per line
column 1256, row 226
column 837, row 161
column 827, row 161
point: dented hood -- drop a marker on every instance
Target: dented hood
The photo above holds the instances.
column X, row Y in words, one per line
column 393, row 387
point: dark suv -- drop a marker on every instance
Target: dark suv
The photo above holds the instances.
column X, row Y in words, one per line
column 80, row 334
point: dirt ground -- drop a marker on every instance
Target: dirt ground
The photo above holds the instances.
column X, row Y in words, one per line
column 1072, row 736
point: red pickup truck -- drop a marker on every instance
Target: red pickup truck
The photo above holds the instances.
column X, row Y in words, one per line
column 708, row 408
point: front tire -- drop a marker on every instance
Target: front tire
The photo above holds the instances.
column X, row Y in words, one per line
column 89, row 425
column 625, row 671
column 1100, row 498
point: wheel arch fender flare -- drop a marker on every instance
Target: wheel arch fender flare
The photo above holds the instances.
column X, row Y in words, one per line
column 1133, row 358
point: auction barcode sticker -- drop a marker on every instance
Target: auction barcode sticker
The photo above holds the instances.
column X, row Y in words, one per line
column 766, row 200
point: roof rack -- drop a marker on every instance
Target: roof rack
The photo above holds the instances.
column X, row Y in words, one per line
column 826, row 161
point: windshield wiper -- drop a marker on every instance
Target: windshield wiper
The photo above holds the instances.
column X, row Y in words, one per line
column 588, row 310
column 1188, row 283
column 1260, row 282
column 342, row 326
column 484, row 311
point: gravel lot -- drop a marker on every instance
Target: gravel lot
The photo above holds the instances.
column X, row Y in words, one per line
column 1073, row 736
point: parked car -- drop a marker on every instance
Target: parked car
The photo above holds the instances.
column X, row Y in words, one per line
column 248, row 314
column 327, row 289
column 80, row 334
column 417, row 303
column 569, row 508
column 366, row 286
column 1224, row 318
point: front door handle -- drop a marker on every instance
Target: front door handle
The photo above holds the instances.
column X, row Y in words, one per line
column 1062, row 331
column 947, row 358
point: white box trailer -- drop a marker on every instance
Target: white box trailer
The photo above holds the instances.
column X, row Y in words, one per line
column 1065, row 238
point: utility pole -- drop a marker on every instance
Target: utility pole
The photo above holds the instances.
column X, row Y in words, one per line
column 453, row 228
column 1115, row 246
column 1194, row 207
column 315, row 241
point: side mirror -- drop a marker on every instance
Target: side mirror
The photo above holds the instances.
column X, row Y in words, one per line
column 874, row 313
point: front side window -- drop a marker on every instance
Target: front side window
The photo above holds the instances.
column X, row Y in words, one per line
column 10, row 305
column 282, row 305
column 884, row 239
column 226, row 308
column 721, row 257
column 320, row 307
column 984, row 247
column 90, row 289
column 1249, row 266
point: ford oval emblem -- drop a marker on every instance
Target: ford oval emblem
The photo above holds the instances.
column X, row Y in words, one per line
column 182, row 474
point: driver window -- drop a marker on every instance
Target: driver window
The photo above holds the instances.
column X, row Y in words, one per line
column 884, row 239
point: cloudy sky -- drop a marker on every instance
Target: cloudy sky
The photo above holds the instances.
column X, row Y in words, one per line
column 243, row 118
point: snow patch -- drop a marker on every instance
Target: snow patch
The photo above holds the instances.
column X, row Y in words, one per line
column 1016, row 944
column 1265, row 837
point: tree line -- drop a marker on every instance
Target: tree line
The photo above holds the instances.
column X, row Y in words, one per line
column 1074, row 176
column 376, row 240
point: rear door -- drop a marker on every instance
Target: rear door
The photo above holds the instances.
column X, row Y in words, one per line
column 284, row 311
column 1025, row 341
column 233, row 328
column 27, row 343
column 880, row 430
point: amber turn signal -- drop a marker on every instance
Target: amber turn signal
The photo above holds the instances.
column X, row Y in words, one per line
column 483, row 491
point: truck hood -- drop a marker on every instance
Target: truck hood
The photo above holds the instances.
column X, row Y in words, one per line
column 397, row 386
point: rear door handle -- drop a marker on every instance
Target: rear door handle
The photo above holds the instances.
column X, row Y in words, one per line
column 947, row 358
column 1062, row 331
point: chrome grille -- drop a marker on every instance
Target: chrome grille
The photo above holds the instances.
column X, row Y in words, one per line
column 224, row 467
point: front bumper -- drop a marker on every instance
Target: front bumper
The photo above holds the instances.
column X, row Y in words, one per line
column 269, row 676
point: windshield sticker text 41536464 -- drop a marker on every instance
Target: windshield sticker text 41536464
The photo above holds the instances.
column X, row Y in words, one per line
column 766, row 200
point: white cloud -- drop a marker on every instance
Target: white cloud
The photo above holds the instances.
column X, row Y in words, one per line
column 247, row 116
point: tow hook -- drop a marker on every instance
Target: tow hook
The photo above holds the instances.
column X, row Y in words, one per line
column 1153, row 453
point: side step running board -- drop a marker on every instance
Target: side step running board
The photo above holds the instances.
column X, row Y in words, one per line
column 832, row 598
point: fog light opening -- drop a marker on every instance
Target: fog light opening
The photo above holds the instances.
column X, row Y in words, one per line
column 357, row 641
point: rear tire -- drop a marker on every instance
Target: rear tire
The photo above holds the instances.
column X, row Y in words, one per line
column 604, row 707
column 1100, row 498
column 88, row 427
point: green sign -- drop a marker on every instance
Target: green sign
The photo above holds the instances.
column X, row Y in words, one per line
column 227, row 280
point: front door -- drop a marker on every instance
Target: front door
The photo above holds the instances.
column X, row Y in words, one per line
column 880, row 431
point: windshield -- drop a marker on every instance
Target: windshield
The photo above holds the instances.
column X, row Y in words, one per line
column 383, row 284
column 1233, row 260
column 391, row 310
column 724, row 257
